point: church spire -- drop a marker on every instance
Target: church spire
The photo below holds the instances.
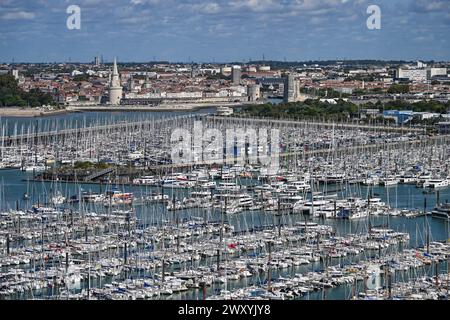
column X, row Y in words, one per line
column 115, row 71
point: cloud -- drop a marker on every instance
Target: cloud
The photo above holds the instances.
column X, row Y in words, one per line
column 207, row 8
column 18, row 15
column 150, row 2
column 255, row 5
column 432, row 5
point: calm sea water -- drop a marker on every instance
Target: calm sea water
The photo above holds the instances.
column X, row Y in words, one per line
column 80, row 119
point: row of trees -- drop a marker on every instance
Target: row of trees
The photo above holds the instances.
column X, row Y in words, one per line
column 398, row 88
column 11, row 95
column 85, row 165
column 307, row 109
column 420, row 106
column 331, row 93
column 341, row 110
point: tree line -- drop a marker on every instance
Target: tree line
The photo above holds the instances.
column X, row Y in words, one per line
column 313, row 109
column 11, row 95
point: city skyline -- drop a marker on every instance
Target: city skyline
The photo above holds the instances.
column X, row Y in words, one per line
column 223, row 31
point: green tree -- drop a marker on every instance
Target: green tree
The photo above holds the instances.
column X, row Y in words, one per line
column 11, row 95
column 398, row 88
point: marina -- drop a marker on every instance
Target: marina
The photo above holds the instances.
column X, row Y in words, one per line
column 100, row 211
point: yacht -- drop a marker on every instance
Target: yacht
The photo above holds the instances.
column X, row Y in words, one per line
column 34, row 168
column 201, row 194
column 91, row 197
column 146, row 180
column 133, row 156
column 242, row 200
column 209, row 185
column 372, row 181
column 228, row 186
column 388, row 182
column 352, row 213
column 178, row 184
column 436, row 183
column 327, row 211
column 332, row 178
column 310, row 207
column 224, row 111
column 298, row 186
column 58, row 199
column 227, row 176
column 117, row 197
column 264, row 187
column 214, row 174
column 442, row 211
column 376, row 202
column 299, row 206
column 407, row 179
column 423, row 179
column 157, row 197
column 43, row 210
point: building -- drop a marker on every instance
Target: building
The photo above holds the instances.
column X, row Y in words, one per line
column 441, row 79
column 131, row 85
column 420, row 75
column 373, row 113
column 253, row 92
column 420, row 64
column 225, row 70
column 75, row 73
column 400, row 117
column 416, row 75
column 291, row 89
column 115, row 88
column 147, row 84
column 15, row 73
column 330, row 101
column 344, row 90
column 433, row 72
column 236, row 75
column 426, row 115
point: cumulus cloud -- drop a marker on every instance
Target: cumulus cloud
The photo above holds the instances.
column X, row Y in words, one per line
column 151, row 2
column 255, row 5
column 208, row 8
column 432, row 5
column 18, row 15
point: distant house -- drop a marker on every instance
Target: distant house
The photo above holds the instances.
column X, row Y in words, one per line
column 426, row 115
column 369, row 113
column 400, row 117
column 344, row 90
column 330, row 101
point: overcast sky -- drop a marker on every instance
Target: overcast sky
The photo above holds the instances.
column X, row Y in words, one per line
column 223, row 30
